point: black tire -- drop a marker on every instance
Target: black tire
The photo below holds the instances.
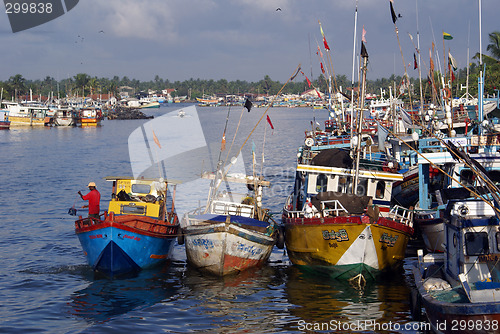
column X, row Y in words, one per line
column 180, row 238
column 280, row 239
column 415, row 305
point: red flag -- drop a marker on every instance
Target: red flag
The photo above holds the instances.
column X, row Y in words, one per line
column 308, row 82
column 270, row 123
column 326, row 44
column 363, row 39
column 156, row 139
column 319, row 95
column 415, row 65
column 322, row 68
column 452, row 76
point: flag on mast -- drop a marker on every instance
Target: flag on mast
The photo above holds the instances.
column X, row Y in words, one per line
column 156, row 139
column 324, row 39
column 393, row 14
column 415, row 65
column 447, row 36
column 363, row 39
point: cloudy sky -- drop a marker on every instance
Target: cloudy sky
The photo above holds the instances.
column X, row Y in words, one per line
column 238, row 39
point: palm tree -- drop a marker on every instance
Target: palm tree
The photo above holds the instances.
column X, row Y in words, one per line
column 494, row 46
column 18, row 84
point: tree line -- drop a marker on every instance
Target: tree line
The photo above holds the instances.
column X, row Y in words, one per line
column 83, row 84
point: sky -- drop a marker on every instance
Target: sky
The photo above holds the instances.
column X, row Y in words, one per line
column 240, row 39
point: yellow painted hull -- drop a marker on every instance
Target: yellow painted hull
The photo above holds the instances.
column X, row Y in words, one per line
column 346, row 249
column 16, row 120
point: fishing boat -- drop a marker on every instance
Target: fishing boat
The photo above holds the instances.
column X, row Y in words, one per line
column 329, row 229
column 232, row 233
column 460, row 288
column 64, row 116
column 137, row 231
column 30, row 114
column 339, row 219
column 4, row 120
column 89, row 116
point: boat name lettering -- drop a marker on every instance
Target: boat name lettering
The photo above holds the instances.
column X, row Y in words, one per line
column 489, row 258
column 409, row 182
column 388, row 239
column 249, row 249
column 207, row 243
column 340, row 235
column 95, row 236
column 131, row 237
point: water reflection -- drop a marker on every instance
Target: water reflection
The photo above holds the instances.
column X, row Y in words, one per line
column 337, row 302
column 104, row 299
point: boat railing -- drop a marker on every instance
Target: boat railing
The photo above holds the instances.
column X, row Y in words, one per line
column 401, row 215
column 332, row 207
column 294, row 214
column 231, row 208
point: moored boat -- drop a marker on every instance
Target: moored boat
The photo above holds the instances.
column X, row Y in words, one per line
column 233, row 232
column 28, row 114
column 460, row 288
column 88, row 117
column 138, row 231
column 4, row 120
column 329, row 229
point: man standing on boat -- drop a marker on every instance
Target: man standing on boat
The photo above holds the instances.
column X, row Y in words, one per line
column 94, row 197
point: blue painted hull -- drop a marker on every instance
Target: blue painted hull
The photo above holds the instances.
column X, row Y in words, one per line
column 113, row 249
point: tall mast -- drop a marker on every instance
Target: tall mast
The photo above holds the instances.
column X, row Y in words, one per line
column 419, row 67
column 364, row 55
column 353, row 65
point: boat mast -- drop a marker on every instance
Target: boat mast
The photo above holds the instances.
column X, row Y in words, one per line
column 364, row 55
column 419, row 66
column 353, row 66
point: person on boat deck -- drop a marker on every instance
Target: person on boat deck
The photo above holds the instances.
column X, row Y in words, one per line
column 94, row 197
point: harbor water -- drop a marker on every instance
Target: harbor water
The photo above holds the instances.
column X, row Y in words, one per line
column 46, row 286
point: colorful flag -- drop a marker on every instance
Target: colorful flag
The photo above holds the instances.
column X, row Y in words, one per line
column 248, row 105
column 270, row 123
column 156, row 139
column 452, row 61
column 324, row 39
column 452, row 76
column 447, row 36
column 322, row 68
column 363, row 39
column 393, row 15
column 223, row 143
column 415, row 65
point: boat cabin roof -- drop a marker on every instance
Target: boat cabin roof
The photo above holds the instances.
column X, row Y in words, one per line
column 116, row 178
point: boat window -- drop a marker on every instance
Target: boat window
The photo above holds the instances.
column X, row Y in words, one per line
column 380, row 190
column 476, row 243
column 344, row 184
column 138, row 188
column 467, row 177
column 321, row 183
column 133, row 209
column 494, row 175
column 362, row 187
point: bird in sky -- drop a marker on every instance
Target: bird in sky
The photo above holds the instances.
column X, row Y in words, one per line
column 278, row 9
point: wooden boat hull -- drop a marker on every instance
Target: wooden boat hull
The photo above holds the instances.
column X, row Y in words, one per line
column 4, row 125
column 124, row 245
column 344, row 247
column 457, row 317
column 26, row 121
column 221, row 245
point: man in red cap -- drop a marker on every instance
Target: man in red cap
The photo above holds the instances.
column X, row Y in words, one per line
column 94, row 197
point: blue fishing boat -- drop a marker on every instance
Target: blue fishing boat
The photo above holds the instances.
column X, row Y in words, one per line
column 137, row 231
